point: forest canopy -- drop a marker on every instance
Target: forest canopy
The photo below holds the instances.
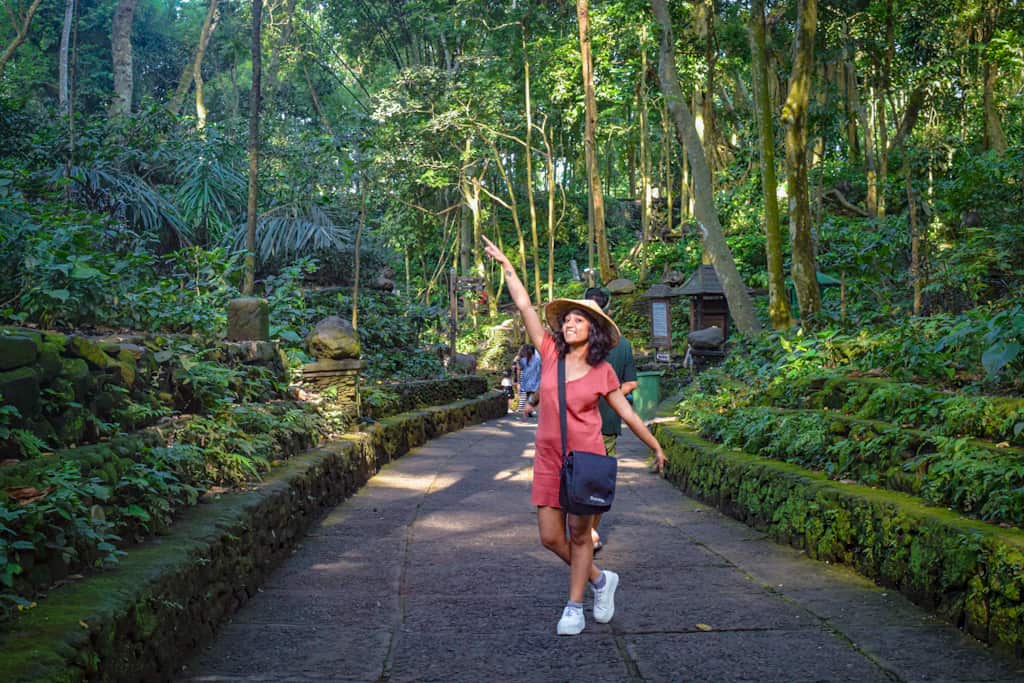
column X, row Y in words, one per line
column 158, row 157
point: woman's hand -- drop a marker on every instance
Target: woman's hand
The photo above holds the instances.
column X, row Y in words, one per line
column 492, row 250
column 659, row 461
column 516, row 290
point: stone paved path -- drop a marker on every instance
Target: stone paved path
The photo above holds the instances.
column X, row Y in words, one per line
column 433, row 572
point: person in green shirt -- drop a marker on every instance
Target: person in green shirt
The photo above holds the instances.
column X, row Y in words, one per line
column 622, row 361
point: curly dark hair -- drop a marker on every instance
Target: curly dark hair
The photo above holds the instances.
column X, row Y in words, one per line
column 599, row 343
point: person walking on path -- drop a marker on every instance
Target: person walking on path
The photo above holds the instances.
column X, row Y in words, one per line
column 529, row 363
column 583, row 336
column 622, row 361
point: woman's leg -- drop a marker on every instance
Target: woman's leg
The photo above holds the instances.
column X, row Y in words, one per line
column 581, row 548
column 551, row 524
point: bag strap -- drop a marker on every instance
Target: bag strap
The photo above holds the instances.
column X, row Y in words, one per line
column 561, row 404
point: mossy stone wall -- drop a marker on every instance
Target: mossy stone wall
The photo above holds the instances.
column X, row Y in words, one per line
column 138, row 621
column 969, row 572
column 408, row 396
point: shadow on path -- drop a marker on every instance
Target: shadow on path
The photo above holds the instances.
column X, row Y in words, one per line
column 433, row 572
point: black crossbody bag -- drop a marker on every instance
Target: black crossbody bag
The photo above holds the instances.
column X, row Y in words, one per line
column 587, row 482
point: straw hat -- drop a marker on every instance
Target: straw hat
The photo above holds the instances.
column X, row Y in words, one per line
column 556, row 308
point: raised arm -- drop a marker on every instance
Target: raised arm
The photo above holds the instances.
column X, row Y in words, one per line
column 521, row 297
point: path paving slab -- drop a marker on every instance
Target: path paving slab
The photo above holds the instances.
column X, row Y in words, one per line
column 433, row 572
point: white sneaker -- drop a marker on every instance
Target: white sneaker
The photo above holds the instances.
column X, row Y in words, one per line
column 604, row 599
column 572, row 621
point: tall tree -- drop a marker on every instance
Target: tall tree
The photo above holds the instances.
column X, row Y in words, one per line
column 794, row 118
column 254, row 150
column 995, row 138
column 596, row 215
column 778, row 303
column 64, row 59
column 741, row 306
column 121, row 50
column 194, row 70
column 643, row 111
column 528, row 155
column 20, row 22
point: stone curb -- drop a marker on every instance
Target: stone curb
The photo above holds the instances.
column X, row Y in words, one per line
column 970, row 573
column 139, row 620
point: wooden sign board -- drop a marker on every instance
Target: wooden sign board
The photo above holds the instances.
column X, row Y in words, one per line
column 469, row 284
column 661, row 323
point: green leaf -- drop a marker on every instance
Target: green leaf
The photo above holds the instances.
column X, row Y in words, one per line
column 59, row 294
column 81, row 272
column 137, row 512
column 998, row 356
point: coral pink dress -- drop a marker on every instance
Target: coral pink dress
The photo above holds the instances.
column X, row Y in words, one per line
column 582, row 417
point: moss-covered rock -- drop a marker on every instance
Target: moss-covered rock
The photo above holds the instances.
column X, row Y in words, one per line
column 17, row 351
column 90, row 351
column 20, row 388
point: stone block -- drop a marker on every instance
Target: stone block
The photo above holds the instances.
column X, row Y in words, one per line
column 17, row 351
column 49, row 364
column 90, row 351
column 36, row 336
column 76, row 371
column 20, row 388
column 333, row 338
column 123, row 372
column 620, row 286
column 248, row 319
column 253, row 351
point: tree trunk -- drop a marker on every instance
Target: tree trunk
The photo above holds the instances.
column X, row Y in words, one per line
column 883, row 97
column 254, row 149
column 704, row 20
column 741, row 306
column 645, row 157
column 209, row 24
column 273, row 69
column 590, row 147
column 64, row 60
column 667, row 179
column 324, row 121
column 794, row 118
column 995, row 139
column 121, row 43
column 21, row 23
column 778, row 302
column 909, row 120
column 357, row 256
column 529, row 170
column 857, row 105
column 550, row 167
column 511, row 205
column 915, row 236
column 189, row 72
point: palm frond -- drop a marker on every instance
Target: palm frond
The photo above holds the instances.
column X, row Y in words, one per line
column 104, row 187
column 210, row 194
column 297, row 229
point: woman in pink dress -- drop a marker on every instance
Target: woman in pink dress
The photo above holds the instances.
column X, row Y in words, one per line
column 583, row 335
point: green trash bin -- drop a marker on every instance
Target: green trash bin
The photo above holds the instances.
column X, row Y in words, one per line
column 646, row 396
